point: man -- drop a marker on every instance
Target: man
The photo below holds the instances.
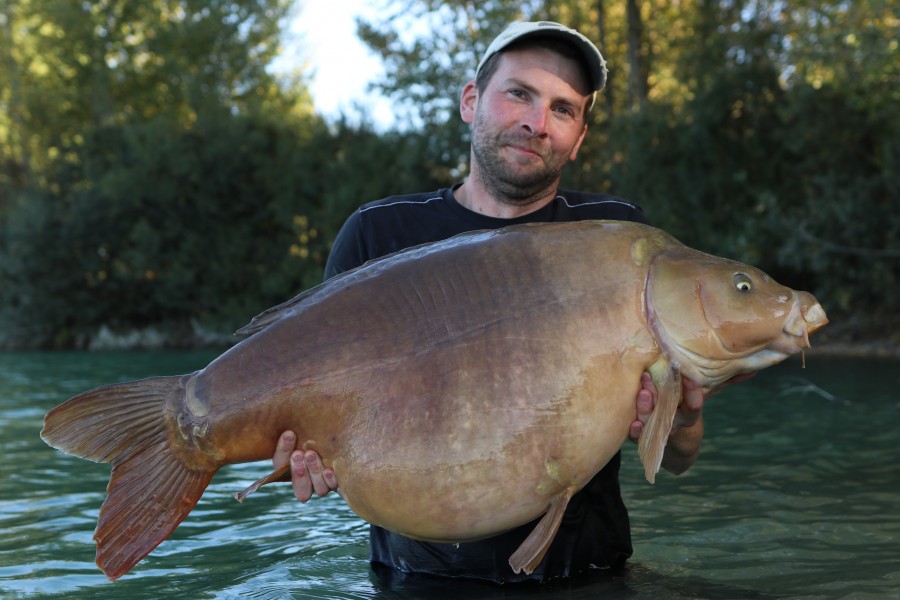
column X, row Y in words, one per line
column 528, row 108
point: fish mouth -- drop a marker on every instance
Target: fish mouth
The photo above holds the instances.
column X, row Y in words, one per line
column 807, row 316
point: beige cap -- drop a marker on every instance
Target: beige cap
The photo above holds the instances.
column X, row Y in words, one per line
column 522, row 29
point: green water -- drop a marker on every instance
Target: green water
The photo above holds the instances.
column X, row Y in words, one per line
column 796, row 495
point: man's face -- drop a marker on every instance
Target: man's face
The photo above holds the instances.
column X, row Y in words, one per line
column 527, row 123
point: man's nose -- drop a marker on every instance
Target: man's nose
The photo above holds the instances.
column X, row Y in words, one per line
column 535, row 122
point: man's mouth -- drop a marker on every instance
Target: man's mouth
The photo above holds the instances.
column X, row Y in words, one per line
column 525, row 150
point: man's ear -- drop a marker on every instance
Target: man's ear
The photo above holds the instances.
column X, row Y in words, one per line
column 574, row 152
column 468, row 102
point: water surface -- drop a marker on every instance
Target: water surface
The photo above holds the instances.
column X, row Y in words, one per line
column 796, row 495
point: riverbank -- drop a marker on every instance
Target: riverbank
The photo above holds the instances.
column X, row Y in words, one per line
column 857, row 349
column 875, row 340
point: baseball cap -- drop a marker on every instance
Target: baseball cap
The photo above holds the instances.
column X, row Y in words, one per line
column 522, row 29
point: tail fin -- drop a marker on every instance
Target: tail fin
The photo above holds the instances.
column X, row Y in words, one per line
column 150, row 491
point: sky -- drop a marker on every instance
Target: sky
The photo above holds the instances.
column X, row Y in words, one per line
column 323, row 36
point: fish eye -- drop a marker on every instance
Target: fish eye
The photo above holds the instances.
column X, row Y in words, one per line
column 742, row 282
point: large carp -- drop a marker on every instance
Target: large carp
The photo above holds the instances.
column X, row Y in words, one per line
column 516, row 352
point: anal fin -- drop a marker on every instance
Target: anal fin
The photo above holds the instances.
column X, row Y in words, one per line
column 276, row 475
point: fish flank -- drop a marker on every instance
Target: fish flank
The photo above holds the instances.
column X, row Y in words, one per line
column 516, row 343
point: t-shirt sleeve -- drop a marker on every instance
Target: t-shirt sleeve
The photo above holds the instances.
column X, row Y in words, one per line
column 637, row 214
column 349, row 248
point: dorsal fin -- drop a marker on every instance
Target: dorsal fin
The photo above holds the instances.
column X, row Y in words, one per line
column 369, row 268
column 270, row 315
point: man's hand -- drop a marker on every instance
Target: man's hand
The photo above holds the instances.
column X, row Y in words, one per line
column 687, row 427
column 308, row 474
column 645, row 401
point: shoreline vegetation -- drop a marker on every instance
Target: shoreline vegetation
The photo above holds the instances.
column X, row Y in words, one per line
column 162, row 196
column 869, row 340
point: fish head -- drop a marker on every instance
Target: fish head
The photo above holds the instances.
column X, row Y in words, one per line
column 716, row 318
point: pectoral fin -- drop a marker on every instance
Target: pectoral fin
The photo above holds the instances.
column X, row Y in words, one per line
column 531, row 551
column 655, row 436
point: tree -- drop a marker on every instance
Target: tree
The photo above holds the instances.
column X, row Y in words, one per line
column 764, row 130
column 153, row 172
column 72, row 66
column 638, row 59
column 145, row 129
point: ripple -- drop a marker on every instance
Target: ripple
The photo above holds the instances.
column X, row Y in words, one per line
column 794, row 497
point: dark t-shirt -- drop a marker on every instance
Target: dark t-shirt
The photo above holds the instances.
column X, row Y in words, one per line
column 595, row 532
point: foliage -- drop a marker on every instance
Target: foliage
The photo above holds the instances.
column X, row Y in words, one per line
column 767, row 131
column 75, row 65
column 154, row 214
column 798, row 175
column 153, row 173
column 152, row 224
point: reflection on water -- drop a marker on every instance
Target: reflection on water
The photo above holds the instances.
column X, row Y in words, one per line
column 796, row 495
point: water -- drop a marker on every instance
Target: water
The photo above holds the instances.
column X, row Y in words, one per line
column 796, row 496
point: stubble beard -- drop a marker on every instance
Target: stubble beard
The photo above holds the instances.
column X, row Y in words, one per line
column 502, row 180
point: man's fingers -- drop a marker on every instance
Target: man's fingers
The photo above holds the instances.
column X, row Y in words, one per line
column 644, row 405
column 634, row 434
column 283, row 449
column 282, row 455
column 323, row 478
column 315, row 469
column 692, row 395
column 330, row 479
column 309, row 476
column 300, row 479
